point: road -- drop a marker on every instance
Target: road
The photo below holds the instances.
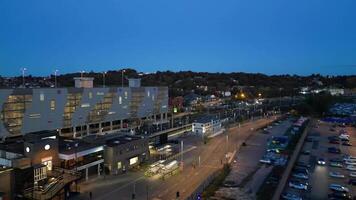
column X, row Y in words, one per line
column 212, row 155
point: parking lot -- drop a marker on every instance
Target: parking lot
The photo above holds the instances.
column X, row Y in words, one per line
column 317, row 148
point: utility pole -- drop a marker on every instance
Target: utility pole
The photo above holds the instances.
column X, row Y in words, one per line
column 104, row 73
column 122, row 78
column 23, row 76
column 181, row 153
column 55, row 77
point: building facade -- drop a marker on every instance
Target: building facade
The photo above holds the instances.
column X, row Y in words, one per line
column 207, row 126
column 77, row 112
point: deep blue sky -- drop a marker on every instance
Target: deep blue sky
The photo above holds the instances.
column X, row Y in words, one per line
column 267, row 36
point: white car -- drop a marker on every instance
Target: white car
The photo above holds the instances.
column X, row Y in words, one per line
column 351, row 167
column 350, row 162
column 336, row 175
column 339, row 188
column 265, row 161
column 300, row 175
column 353, row 174
column 298, row 185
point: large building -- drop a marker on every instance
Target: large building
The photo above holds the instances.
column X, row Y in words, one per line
column 80, row 111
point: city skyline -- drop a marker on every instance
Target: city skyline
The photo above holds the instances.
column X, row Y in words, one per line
column 260, row 37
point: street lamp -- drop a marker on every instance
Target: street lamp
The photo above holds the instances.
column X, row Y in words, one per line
column 55, row 77
column 23, row 76
column 81, row 73
column 104, row 73
column 242, row 95
column 122, row 77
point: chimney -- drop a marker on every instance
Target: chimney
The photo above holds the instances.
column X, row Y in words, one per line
column 83, row 82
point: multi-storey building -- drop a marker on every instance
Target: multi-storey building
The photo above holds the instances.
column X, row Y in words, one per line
column 80, row 111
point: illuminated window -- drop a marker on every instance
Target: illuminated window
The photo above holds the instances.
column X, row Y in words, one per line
column 53, row 104
column 42, row 97
column 90, row 95
column 120, row 100
column 148, row 93
column 153, row 97
column 133, row 160
column 125, row 94
column 119, row 165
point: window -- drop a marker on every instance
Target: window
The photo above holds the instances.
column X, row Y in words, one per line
column 48, row 162
column 120, row 100
column 90, row 95
column 133, row 160
column 148, row 93
column 42, row 97
column 39, row 174
column 153, row 97
column 53, row 105
column 34, row 116
column 119, row 165
column 126, row 95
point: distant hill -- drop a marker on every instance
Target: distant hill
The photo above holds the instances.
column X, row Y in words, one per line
column 184, row 82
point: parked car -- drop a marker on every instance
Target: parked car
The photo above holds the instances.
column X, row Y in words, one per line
column 350, row 162
column 338, row 188
column 321, row 161
column 302, row 164
column 353, row 174
column 335, row 164
column 289, row 196
column 300, row 175
column 339, row 195
column 334, row 141
column 334, row 150
column 301, row 170
column 346, row 143
column 336, row 175
column 351, row 167
column 352, row 181
column 298, row 185
column 305, row 152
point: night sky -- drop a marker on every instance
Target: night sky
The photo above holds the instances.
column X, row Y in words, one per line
column 267, row 36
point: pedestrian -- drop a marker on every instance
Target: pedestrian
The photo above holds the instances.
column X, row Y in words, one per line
column 90, row 195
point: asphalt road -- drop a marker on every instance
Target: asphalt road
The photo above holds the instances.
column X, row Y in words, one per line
column 211, row 156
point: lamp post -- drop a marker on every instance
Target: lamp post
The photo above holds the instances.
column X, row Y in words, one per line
column 104, row 74
column 122, row 78
column 55, row 77
column 23, row 76
column 81, row 73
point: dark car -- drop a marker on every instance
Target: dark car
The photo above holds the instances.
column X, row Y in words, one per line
column 339, row 195
column 346, row 144
column 305, row 152
column 352, row 182
column 334, row 150
column 344, row 139
column 302, row 164
column 333, row 138
column 334, row 141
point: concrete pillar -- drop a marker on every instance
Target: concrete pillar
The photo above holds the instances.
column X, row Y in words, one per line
column 86, row 174
column 121, row 124
column 111, row 126
column 155, row 117
column 87, row 129
column 162, row 116
column 98, row 169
